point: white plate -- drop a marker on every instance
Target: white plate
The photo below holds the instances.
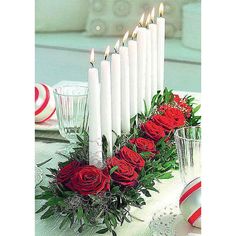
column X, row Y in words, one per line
column 49, row 125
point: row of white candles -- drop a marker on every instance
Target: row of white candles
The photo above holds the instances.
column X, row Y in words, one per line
column 134, row 75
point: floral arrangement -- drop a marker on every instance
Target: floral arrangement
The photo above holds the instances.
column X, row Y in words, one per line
column 87, row 196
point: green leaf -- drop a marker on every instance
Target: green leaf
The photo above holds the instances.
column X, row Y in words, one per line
column 50, row 176
column 115, row 189
column 54, row 201
column 80, row 213
column 196, row 109
column 47, row 214
column 53, row 171
column 45, row 188
column 45, row 206
column 102, row 231
column 107, row 223
column 153, row 189
column 80, row 229
column 146, row 192
column 42, row 163
column 125, row 217
column 85, row 218
column 167, row 175
column 145, row 108
column 44, row 196
column 113, row 233
column 113, row 220
column 145, row 154
column 113, row 169
column 63, row 222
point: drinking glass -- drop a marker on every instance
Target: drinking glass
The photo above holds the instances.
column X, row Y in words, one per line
column 188, row 144
column 72, row 112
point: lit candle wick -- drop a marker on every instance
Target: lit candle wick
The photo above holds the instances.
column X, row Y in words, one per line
column 153, row 15
column 116, row 48
column 161, row 9
column 125, row 38
column 107, row 52
column 141, row 21
column 134, row 34
column 92, row 57
column 148, row 20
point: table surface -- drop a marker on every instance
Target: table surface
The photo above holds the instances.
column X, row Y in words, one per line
column 169, row 192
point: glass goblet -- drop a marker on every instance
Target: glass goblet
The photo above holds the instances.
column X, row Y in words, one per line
column 188, row 144
column 72, row 112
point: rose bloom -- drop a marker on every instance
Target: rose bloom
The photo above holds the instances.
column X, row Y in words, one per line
column 90, row 180
column 143, row 144
column 176, row 115
column 132, row 157
column 153, row 131
column 125, row 174
column 177, row 99
column 164, row 121
column 66, row 172
column 185, row 107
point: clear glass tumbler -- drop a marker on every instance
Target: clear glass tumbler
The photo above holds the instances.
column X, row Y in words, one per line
column 188, row 144
column 71, row 110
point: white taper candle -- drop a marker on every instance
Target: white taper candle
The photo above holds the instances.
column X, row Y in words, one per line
column 148, row 80
column 116, row 93
column 142, row 45
column 132, row 47
column 106, row 126
column 94, row 120
column 153, row 30
column 160, row 48
column 125, row 99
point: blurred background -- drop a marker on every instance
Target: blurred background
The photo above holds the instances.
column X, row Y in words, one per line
column 66, row 30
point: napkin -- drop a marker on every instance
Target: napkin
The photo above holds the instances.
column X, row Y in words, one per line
column 192, row 234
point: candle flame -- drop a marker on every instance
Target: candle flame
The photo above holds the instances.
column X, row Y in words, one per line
column 107, row 52
column 141, row 21
column 92, row 60
column 134, row 34
column 148, row 20
column 153, row 14
column 125, row 38
column 117, row 45
column 161, row 9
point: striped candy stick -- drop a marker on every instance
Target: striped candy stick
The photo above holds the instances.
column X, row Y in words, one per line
column 44, row 103
column 190, row 202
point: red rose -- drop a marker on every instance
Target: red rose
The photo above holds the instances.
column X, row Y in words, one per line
column 144, row 145
column 125, row 174
column 183, row 105
column 177, row 99
column 163, row 108
column 176, row 115
column 90, row 180
column 153, row 131
column 66, row 172
column 164, row 121
column 132, row 157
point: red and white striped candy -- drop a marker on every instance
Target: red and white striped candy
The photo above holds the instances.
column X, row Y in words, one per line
column 44, row 103
column 190, row 202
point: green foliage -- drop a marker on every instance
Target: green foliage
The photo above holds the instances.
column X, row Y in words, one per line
column 113, row 208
